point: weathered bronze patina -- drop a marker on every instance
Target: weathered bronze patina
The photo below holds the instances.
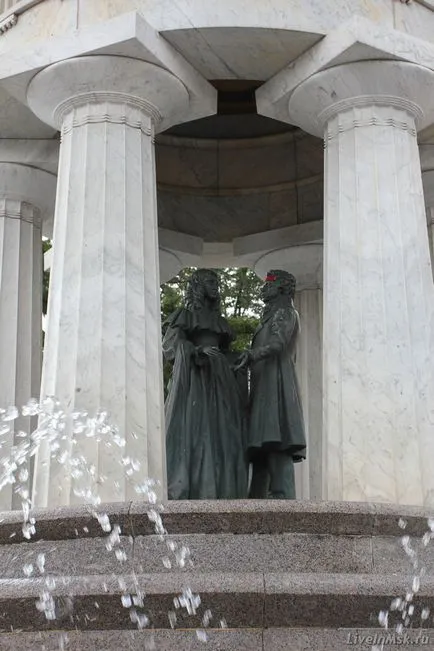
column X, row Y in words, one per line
column 204, row 415
column 276, row 436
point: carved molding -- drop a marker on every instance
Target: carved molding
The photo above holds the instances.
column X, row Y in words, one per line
column 362, row 101
column 73, row 123
column 349, row 125
column 119, row 103
column 14, row 208
column 7, row 23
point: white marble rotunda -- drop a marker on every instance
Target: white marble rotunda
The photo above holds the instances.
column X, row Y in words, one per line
column 146, row 136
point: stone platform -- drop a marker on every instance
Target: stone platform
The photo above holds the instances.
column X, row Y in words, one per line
column 283, row 576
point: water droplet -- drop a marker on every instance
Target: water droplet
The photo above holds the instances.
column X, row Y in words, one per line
column 172, row 618
column 28, row 569
column 31, row 408
column 201, row 636
column 120, row 555
column 383, row 618
column 10, row 414
column 40, row 562
column 126, row 601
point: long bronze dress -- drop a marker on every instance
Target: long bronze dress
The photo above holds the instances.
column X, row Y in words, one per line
column 204, row 420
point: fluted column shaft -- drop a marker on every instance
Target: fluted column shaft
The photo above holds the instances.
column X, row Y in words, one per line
column 427, row 163
column 103, row 338
column 378, row 319
column 20, row 317
column 103, row 326
column 309, row 303
column 24, row 199
column 430, row 221
column 379, row 300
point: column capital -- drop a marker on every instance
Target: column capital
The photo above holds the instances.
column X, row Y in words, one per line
column 26, row 193
column 406, row 87
column 120, row 89
column 305, row 262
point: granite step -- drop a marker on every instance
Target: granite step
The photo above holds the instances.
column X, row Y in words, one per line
column 277, row 574
column 251, row 600
column 273, row 639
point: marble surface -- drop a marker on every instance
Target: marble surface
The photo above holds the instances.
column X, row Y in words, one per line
column 102, row 348
column 224, row 189
column 305, row 261
column 378, row 293
column 41, row 155
column 378, row 314
column 357, row 41
column 309, row 474
column 406, row 85
column 222, row 42
column 24, row 196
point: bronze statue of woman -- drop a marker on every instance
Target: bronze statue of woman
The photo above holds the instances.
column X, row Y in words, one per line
column 204, row 419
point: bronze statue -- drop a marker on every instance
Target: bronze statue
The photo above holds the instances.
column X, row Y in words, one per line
column 204, row 419
column 276, row 436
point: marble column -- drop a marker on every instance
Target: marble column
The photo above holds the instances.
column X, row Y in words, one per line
column 170, row 265
column 26, row 196
column 427, row 163
column 103, row 327
column 305, row 263
column 378, row 288
column 430, row 224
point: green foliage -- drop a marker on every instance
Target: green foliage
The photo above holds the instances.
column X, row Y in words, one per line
column 240, row 302
column 46, row 246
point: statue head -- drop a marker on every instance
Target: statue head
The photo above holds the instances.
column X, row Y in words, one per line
column 203, row 288
column 278, row 283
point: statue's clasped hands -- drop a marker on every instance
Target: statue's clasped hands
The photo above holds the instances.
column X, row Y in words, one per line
column 208, row 351
column 243, row 360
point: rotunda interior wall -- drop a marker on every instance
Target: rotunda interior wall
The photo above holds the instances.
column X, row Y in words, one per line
column 219, row 190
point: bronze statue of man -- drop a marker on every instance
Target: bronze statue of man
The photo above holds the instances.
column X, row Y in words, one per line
column 276, row 435
column 204, row 413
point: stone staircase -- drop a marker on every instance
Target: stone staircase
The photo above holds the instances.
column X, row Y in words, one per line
column 280, row 575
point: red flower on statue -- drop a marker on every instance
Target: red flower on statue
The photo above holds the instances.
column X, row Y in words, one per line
column 270, row 278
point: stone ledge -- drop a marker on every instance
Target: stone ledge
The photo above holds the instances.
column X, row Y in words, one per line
column 236, row 517
column 240, row 640
column 248, row 600
column 272, row 639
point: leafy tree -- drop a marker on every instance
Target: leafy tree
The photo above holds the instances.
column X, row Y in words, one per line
column 46, row 246
column 240, row 301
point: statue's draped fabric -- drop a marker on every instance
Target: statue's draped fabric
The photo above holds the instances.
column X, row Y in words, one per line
column 276, row 417
column 204, row 423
